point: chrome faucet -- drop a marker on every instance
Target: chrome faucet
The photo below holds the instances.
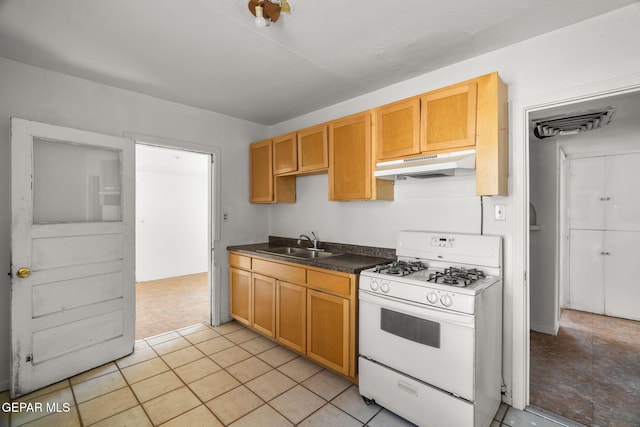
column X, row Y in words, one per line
column 313, row 242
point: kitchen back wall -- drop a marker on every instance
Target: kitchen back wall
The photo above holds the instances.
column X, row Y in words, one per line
column 585, row 59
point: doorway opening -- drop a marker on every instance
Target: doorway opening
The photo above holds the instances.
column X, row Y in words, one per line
column 583, row 349
column 173, row 274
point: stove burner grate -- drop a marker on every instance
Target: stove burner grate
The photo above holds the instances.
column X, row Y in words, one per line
column 400, row 268
column 454, row 276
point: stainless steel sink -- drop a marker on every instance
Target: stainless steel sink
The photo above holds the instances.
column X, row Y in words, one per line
column 300, row 253
column 314, row 254
column 284, row 251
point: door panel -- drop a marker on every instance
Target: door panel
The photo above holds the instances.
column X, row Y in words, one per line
column 64, row 251
column 49, row 298
column 73, row 235
column 586, row 270
column 622, row 292
column 586, row 193
column 622, row 205
column 263, row 316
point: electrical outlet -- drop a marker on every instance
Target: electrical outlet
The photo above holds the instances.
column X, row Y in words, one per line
column 499, row 212
column 225, row 216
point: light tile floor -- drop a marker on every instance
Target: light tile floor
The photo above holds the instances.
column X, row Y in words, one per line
column 205, row 376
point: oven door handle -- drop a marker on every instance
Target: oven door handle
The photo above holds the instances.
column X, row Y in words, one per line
column 434, row 314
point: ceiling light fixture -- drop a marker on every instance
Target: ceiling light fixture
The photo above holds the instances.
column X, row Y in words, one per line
column 267, row 11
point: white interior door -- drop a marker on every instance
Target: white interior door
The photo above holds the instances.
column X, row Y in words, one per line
column 622, row 292
column 586, row 271
column 73, row 280
column 586, row 193
column 622, row 200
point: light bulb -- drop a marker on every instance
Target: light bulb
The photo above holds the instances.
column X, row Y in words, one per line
column 261, row 22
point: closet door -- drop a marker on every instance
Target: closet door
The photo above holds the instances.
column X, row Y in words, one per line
column 622, row 201
column 586, row 269
column 587, row 193
column 622, row 269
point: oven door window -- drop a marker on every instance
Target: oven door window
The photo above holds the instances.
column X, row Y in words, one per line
column 413, row 328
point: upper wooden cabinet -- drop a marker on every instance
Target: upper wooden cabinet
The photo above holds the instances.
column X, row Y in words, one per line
column 492, row 141
column 470, row 114
column 313, row 149
column 398, row 129
column 351, row 161
column 264, row 187
column 260, row 158
column 448, row 117
column 285, row 154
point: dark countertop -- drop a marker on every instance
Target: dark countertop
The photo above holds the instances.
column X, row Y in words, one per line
column 352, row 259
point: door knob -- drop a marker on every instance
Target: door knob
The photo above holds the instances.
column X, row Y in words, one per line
column 23, row 273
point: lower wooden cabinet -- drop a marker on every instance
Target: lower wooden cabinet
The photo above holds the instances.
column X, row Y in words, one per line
column 328, row 331
column 240, row 295
column 291, row 316
column 263, row 307
column 307, row 309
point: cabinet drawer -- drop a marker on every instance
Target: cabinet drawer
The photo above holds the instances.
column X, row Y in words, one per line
column 329, row 282
column 280, row 271
column 240, row 261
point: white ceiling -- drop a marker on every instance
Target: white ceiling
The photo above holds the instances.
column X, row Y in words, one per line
column 209, row 54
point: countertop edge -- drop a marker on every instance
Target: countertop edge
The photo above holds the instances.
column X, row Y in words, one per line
column 345, row 263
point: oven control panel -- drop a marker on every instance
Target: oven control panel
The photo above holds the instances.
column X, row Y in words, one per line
column 443, row 241
column 426, row 295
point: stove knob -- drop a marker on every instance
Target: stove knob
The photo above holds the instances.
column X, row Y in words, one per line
column 446, row 301
column 374, row 285
column 432, row 297
column 384, row 287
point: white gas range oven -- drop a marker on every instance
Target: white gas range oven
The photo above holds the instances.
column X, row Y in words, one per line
column 430, row 328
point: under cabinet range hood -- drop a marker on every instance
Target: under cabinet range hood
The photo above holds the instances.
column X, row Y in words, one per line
column 444, row 164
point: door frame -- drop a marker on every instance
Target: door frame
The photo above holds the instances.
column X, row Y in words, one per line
column 214, row 215
column 520, row 351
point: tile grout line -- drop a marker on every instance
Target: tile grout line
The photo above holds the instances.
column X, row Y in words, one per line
column 185, row 384
column 131, row 389
column 75, row 400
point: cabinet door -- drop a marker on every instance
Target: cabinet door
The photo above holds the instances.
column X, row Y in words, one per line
column 622, row 204
column 291, row 315
column 448, row 117
column 398, row 129
column 240, row 295
column 350, row 165
column 313, row 149
column 622, row 293
column 285, row 154
column 263, row 314
column 261, row 170
column 586, row 271
column 328, row 330
column 586, row 193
